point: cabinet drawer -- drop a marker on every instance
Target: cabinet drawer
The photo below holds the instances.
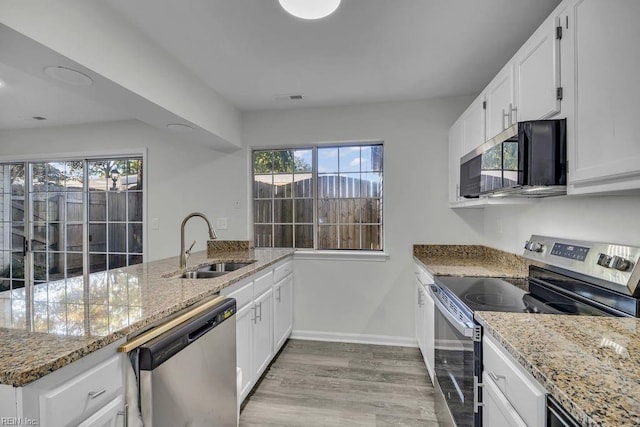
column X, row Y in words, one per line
column 83, row 395
column 283, row 271
column 262, row 283
column 243, row 296
column 524, row 393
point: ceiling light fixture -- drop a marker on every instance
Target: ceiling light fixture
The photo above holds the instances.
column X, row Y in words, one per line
column 68, row 76
column 310, row 9
column 179, row 127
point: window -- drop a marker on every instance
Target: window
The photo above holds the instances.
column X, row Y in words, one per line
column 321, row 197
column 64, row 219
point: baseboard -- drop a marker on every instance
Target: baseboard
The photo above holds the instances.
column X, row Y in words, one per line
column 354, row 338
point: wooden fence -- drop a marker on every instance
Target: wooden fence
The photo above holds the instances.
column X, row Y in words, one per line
column 349, row 212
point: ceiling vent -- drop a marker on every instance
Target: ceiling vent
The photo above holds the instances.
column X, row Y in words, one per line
column 287, row 97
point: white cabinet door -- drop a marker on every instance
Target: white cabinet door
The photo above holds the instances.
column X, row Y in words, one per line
column 262, row 333
column 419, row 315
column 455, row 153
column 473, row 126
column 428, row 332
column 110, row 415
column 499, row 102
column 244, row 347
column 497, row 411
column 603, row 139
column 537, row 75
column 283, row 311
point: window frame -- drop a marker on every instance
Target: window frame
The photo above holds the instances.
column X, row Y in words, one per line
column 94, row 155
column 333, row 253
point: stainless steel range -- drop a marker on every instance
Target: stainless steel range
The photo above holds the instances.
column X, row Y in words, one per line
column 565, row 277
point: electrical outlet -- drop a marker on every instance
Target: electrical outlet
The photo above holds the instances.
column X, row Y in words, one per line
column 236, row 204
column 499, row 227
column 155, row 224
column 221, row 224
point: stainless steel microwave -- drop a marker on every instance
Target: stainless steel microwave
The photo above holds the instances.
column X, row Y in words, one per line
column 529, row 159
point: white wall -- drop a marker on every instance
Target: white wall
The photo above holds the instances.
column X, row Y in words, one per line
column 375, row 299
column 182, row 178
column 596, row 218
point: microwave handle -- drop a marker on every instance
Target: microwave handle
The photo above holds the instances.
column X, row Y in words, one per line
column 460, row 326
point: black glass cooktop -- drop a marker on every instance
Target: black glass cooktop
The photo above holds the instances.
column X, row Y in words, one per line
column 494, row 294
column 485, row 293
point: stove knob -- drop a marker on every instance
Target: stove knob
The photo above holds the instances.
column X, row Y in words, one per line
column 526, row 245
column 535, row 247
column 603, row 260
column 619, row 263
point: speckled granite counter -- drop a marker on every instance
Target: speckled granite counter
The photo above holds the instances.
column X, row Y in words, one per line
column 469, row 260
column 591, row 365
column 51, row 325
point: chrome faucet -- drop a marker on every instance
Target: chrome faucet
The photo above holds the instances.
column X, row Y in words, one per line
column 185, row 254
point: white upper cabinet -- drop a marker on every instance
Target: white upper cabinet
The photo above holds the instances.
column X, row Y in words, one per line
column 473, row 128
column 537, row 74
column 499, row 101
column 603, row 141
column 455, row 152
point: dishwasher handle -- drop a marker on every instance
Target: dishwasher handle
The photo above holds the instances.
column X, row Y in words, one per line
column 160, row 349
column 202, row 330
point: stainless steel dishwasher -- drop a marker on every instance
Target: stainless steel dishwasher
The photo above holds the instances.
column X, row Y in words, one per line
column 188, row 374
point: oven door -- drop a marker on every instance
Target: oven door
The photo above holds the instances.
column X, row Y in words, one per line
column 454, row 367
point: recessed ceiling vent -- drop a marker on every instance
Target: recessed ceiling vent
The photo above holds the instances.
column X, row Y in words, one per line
column 40, row 118
column 287, row 97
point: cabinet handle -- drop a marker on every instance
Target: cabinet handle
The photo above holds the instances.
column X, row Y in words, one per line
column 279, row 297
column 95, row 394
column 505, row 115
column 260, row 315
column 419, row 298
column 495, row 377
column 125, row 415
column 513, row 118
column 255, row 314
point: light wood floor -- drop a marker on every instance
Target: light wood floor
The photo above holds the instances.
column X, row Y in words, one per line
column 338, row 384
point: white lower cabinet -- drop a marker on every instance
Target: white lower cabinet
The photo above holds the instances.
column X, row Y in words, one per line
column 89, row 392
column 282, row 311
column 497, row 411
column 262, row 332
column 264, row 320
column 512, row 397
column 110, row 415
column 244, row 346
column 424, row 312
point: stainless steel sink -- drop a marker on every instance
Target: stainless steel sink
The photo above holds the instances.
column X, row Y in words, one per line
column 198, row 274
column 225, row 267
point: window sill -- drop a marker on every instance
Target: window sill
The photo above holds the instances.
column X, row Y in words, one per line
column 342, row 255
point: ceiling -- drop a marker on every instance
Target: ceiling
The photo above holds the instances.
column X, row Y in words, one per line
column 251, row 50
column 367, row 51
column 25, row 96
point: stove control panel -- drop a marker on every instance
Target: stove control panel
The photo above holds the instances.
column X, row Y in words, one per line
column 616, row 266
column 575, row 252
column 616, row 262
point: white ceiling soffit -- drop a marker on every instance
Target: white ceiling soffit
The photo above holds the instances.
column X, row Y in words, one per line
column 366, row 51
column 103, row 100
column 26, row 96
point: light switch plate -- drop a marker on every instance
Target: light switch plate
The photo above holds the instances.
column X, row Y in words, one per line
column 221, row 224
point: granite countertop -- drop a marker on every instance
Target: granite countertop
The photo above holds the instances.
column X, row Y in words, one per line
column 591, row 365
column 50, row 325
column 470, row 261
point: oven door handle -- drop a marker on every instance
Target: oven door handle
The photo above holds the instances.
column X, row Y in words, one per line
column 462, row 327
